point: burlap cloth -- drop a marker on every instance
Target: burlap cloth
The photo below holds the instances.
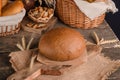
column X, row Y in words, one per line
column 97, row 67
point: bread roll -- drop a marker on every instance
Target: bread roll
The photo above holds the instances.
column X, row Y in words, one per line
column 62, row 44
column 4, row 2
column 90, row 1
column 12, row 8
column 0, row 6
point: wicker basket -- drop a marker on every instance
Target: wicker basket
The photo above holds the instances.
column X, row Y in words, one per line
column 9, row 30
column 40, row 19
column 10, row 24
column 69, row 13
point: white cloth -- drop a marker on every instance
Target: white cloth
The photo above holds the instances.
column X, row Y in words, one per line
column 7, row 21
column 95, row 9
column 12, row 19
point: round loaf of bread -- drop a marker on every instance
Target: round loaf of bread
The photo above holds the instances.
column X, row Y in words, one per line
column 62, row 44
column 12, row 8
column 4, row 3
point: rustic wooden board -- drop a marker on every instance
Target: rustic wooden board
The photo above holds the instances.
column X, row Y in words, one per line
column 7, row 44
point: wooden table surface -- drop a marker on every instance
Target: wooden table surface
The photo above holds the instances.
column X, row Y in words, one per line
column 7, row 45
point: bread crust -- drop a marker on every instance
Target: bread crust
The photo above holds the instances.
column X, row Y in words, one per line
column 62, row 44
column 12, row 8
column 0, row 6
column 4, row 3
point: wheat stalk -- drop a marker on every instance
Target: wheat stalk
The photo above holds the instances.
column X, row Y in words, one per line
column 108, row 41
column 20, row 46
column 96, row 38
column 23, row 43
column 28, row 46
column 23, row 46
column 32, row 61
column 102, row 40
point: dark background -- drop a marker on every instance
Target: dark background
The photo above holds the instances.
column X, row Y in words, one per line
column 114, row 19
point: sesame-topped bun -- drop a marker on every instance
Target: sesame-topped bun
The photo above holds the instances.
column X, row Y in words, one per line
column 62, row 44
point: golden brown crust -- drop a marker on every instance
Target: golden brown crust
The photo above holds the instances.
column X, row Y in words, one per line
column 62, row 44
column 90, row 0
column 0, row 6
column 4, row 3
column 12, row 8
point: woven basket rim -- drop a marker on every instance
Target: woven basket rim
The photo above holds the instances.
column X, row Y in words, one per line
column 21, row 14
column 78, row 19
column 10, row 33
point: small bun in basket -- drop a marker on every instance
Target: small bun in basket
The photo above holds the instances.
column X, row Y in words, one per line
column 10, row 24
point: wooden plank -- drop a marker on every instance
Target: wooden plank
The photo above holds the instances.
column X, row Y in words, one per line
column 5, row 68
column 8, row 43
column 103, row 31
